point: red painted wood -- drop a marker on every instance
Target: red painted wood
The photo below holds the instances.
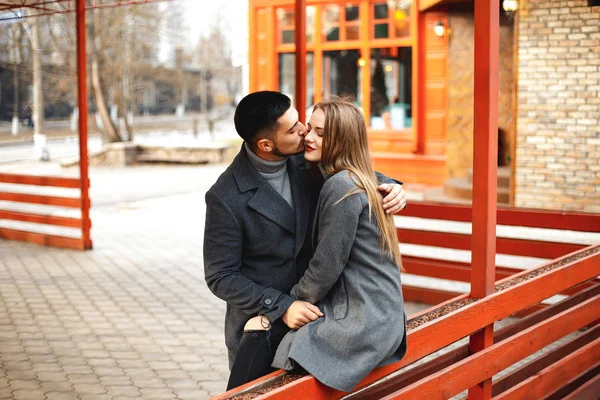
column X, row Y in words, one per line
column 588, row 391
column 83, row 124
column 563, row 220
column 451, row 270
column 548, row 358
column 426, row 339
column 387, row 386
column 42, row 239
column 426, row 295
column 300, row 40
column 486, row 363
column 40, row 180
column 517, row 247
column 251, row 386
column 41, row 219
column 553, row 377
column 72, row 202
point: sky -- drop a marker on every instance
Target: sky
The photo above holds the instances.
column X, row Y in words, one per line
column 201, row 13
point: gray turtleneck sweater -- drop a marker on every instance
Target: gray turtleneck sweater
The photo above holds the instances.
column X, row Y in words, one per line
column 275, row 172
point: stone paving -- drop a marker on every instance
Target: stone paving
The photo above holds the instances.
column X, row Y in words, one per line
column 131, row 319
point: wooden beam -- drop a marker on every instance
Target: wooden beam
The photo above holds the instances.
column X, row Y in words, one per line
column 553, row 377
column 486, row 363
column 41, row 219
column 84, row 180
column 460, row 241
column 563, row 220
column 450, row 270
column 300, row 40
column 40, row 180
column 72, row 202
column 42, row 239
column 426, row 295
column 588, row 391
column 547, row 359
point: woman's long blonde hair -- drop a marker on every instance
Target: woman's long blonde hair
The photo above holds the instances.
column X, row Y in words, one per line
column 345, row 147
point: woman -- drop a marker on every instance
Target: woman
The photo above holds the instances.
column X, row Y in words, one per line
column 354, row 276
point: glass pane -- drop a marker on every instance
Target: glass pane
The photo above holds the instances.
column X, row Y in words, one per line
column 341, row 74
column 287, row 80
column 381, row 11
column 352, row 13
column 286, row 24
column 381, row 31
column 401, row 19
column 353, row 32
column 330, row 21
column 391, row 88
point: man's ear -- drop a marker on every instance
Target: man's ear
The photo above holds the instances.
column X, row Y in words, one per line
column 265, row 145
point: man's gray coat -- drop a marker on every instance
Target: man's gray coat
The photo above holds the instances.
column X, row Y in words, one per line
column 357, row 289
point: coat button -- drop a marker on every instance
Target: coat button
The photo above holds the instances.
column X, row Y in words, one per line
column 268, row 302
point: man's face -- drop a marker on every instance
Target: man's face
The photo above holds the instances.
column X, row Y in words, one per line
column 289, row 138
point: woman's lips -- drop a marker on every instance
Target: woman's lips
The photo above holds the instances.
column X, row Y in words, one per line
column 308, row 149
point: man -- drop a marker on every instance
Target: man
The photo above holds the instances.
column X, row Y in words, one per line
column 259, row 217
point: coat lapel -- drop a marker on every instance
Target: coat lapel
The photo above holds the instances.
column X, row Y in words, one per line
column 301, row 193
column 266, row 201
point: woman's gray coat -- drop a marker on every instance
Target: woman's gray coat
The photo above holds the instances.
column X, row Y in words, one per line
column 357, row 289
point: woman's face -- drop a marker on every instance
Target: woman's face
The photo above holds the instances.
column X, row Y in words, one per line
column 313, row 141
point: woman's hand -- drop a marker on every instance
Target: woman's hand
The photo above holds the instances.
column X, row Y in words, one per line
column 395, row 197
column 300, row 313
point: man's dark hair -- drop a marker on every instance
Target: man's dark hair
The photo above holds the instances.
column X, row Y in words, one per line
column 257, row 114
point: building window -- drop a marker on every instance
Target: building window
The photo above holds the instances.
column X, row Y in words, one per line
column 341, row 74
column 391, row 19
column 391, row 88
column 286, row 24
column 340, row 23
column 287, row 77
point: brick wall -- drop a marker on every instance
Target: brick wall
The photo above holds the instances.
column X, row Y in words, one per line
column 558, row 126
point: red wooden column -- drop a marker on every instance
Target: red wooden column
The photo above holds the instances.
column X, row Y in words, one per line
column 300, row 38
column 485, row 170
column 83, row 125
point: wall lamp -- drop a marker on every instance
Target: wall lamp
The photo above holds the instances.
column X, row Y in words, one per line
column 510, row 7
column 439, row 29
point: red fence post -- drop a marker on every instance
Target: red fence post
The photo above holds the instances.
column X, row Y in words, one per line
column 300, row 38
column 83, row 125
column 485, row 170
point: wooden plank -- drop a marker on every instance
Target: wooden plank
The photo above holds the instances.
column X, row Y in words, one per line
column 575, row 383
column 42, row 239
column 588, row 391
column 486, row 363
column 553, row 377
column 550, row 357
column 425, row 339
column 388, row 385
column 41, row 219
column 36, row 180
column 71, row 202
column 518, row 247
column 253, row 386
column 451, row 270
column 426, row 295
column 563, row 220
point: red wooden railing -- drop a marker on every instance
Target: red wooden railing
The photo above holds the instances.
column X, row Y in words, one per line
column 81, row 223
column 567, row 367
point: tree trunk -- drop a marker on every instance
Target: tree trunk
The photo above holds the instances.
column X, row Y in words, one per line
column 39, row 139
column 16, row 45
column 111, row 134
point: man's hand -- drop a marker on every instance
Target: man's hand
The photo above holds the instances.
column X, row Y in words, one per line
column 300, row 313
column 395, row 197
